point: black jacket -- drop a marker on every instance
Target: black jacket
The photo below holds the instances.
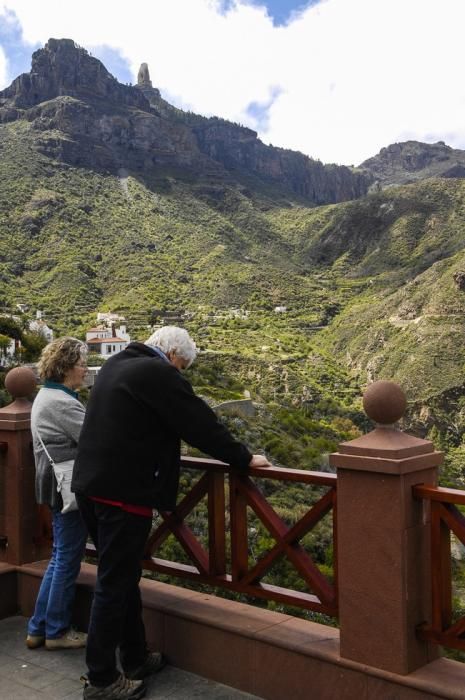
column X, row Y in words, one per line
column 139, row 410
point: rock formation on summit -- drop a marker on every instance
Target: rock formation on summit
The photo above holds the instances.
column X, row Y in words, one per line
column 152, row 94
column 63, row 68
column 143, row 76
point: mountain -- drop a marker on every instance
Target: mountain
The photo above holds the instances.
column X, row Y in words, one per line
column 81, row 115
column 404, row 163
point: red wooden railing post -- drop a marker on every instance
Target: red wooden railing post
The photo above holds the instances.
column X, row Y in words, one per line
column 216, row 525
column 20, row 520
column 384, row 539
column 239, row 537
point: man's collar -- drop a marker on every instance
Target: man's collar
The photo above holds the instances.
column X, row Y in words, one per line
column 157, row 351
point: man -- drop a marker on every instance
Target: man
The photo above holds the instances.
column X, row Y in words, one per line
column 128, row 462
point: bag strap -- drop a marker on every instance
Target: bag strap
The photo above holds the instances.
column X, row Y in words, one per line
column 45, row 449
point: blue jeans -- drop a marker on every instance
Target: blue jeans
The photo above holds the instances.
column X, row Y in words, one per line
column 52, row 614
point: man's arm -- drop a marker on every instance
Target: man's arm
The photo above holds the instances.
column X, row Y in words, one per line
column 194, row 421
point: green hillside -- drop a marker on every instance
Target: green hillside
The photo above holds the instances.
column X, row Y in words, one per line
column 407, row 322
column 75, row 238
column 379, row 270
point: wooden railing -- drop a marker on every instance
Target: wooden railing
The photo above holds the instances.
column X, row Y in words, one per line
column 385, row 580
column 446, row 518
column 226, row 562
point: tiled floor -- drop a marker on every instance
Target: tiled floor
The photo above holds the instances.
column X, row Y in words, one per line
column 40, row 674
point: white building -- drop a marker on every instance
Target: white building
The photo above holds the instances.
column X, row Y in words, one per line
column 8, row 354
column 122, row 333
column 106, row 341
column 39, row 326
column 106, row 347
column 98, row 332
column 109, row 318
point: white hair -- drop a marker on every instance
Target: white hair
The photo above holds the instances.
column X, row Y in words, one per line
column 174, row 339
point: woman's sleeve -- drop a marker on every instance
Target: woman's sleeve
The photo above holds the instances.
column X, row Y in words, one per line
column 72, row 419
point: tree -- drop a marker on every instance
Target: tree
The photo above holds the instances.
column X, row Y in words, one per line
column 33, row 343
column 4, row 344
column 10, row 328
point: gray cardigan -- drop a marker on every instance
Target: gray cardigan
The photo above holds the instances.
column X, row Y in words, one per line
column 58, row 417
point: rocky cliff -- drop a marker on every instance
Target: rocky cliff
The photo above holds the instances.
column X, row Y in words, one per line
column 239, row 148
column 407, row 162
column 82, row 115
column 63, row 68
column 85, row 117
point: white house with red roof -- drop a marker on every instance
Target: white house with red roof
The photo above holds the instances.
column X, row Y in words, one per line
column 107, row 341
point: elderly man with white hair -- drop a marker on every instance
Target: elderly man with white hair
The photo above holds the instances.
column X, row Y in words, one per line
column 128, row 462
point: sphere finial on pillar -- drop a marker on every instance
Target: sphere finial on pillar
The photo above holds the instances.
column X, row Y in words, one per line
column 384, row 402
column 20, row 382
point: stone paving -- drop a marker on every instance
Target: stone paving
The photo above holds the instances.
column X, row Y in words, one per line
column 40, row 674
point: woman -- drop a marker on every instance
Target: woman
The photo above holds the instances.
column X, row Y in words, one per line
column 56, row 419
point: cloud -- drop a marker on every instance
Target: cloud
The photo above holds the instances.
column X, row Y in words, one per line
column 258, row 113
column 338, row 81
column 3, row 67
column 366, row 73
column 16, row 56
column 280, row 11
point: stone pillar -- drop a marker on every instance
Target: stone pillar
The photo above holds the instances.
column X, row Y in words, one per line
column 21, row 540
column 383, row 538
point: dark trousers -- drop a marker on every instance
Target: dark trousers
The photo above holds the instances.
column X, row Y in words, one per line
column 116, row 615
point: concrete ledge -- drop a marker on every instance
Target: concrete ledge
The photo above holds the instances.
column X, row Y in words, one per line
column 269, row 654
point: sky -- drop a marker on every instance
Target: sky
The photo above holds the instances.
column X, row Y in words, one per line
column 335, row 79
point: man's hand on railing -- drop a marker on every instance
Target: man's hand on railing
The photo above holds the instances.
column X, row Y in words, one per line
column 259, row 461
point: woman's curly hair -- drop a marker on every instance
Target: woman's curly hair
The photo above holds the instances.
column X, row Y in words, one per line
column 59, row 356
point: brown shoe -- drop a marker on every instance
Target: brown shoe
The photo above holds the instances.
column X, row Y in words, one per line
column 34, row 641
column 69, row 640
